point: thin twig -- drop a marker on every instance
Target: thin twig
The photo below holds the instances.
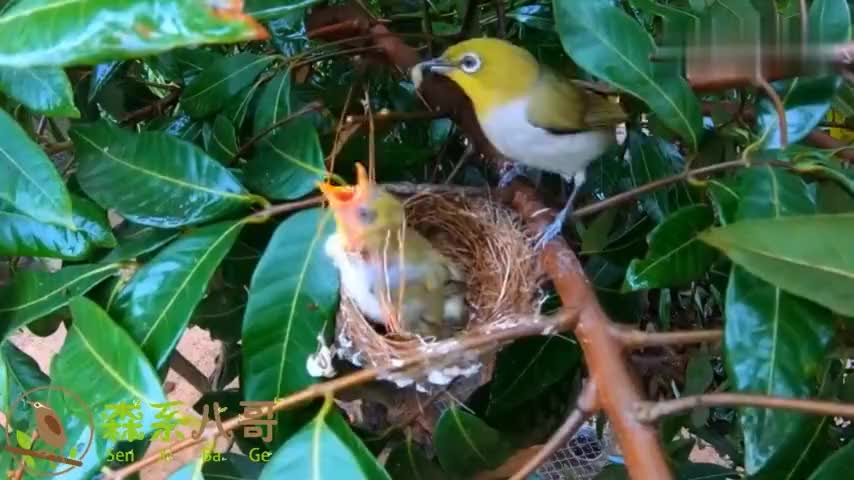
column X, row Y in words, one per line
column 188, row 371
column 500, row 19
column 584, row 408
column 653, row 411
column 309, row 107
column 630, row 195
column 52, row 148
column 633, row 339
column 781, row 110
column 449, row 353
column 278, row 209
column 151, row 110
column 382, row 116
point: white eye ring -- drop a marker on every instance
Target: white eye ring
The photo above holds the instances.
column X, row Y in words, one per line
column 470, row 63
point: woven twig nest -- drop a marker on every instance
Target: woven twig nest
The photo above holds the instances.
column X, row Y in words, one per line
column 489, row 243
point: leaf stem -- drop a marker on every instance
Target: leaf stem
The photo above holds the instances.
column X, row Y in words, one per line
column 653, row 411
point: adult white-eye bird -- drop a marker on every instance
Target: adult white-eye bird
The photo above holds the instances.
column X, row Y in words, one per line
column 529, row 113
column 393, row 274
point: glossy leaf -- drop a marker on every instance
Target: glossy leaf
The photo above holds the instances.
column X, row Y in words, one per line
column 676, row 256
column 807, row 256
column 289, row 163
column 767, row 192
column 83, row 32
column 139, row 242
column 222, row 144
column 270, row 9
column 220, row 81
column 233, row 466
column 156, row 305
column 190, row 471
column 154, row 179
column 529, row 366
column 466, row 445
column 603, row 40
column 20, row 235
column 725, row 196
column 28, row 179
column 274, row 102
column 101, row 75
column 102, row 364
column 653, row 159
column 92, row 221
column 807, row 100
column 18, row 374
column 288, row 308
column 321, row 450
column 35, row 294
column 41, row 89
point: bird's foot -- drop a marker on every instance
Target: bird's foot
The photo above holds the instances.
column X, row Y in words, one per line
column 555, row 228
column 508, row 174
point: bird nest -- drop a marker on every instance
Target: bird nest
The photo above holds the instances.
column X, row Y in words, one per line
column 503, row 276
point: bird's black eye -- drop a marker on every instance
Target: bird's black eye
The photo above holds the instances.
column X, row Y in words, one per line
column 470, row 63
column 366, row 214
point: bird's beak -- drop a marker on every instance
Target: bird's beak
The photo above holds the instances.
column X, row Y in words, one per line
column 344, row 199
column 436, row 65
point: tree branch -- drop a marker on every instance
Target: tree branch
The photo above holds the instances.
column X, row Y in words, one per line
column 189, row 372
column 151, row 110
column 653, row 411
column 585, row 407
column 635, row 339
column 444, row 353
column 309, row 107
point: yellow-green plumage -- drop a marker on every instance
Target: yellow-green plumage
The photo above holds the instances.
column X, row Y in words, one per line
column 530, row 114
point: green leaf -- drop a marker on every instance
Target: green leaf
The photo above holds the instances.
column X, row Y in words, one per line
column 287, row 310
column 24, row 440
column 83, row 32
column 19, row 373
column 34, row 294
column 28, row 179
column 270, row 9
column 408, row 461
column 603, row 40
column 705, row 471
column 152, row 178
column 653, row 159
column 157, row 303
column 20, row 235
column 101, row 76
column 103, row 366
column 222, row 144
column 223, row 79
column 725, row 196
column 41, row 89
column 321, row 449
column 767, row 192
column 466, row 445
column 807, row 100
column 675, row 256
column 837, row 466
column 92, row 221
column 139, row 242
column 529, row 366
column 808, row 256
column 190, row 471
column 289, row 163
column 274, row 103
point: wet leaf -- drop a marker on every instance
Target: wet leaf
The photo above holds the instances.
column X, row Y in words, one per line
column 274, row 102
column 676, row 256
column 35, row 294
column 287, row 310
column 289, row 163
column 220, row 81
column 156, row 305
column 41, row 89
column 83, row 32
column 223, row 140
column 28, row 179
column 408, row 461
column 154, row 179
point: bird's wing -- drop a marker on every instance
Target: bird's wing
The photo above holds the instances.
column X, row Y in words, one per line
column 560, row 105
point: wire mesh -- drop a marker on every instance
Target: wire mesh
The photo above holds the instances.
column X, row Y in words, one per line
column 582, row 458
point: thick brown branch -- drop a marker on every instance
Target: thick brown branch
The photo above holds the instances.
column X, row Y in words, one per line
column 585, row 407
column 653, row 411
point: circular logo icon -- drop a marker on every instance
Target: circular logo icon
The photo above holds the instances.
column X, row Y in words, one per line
column 47, row 439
